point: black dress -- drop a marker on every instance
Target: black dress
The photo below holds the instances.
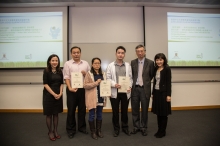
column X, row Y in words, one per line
column 160, row 106
column 50, row 104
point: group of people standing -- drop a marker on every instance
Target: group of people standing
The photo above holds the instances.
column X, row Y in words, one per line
column 140, row 72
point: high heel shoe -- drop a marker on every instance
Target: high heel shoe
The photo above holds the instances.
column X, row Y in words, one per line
column 52, row 139
column 57, row 137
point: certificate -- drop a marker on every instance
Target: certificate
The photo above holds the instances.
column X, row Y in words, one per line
column 105, row 88
column 125, row 84
column 76, row 80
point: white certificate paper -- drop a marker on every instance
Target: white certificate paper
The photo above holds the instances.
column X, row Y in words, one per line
column 124, row 82
column 105, row 88
column 76, row 80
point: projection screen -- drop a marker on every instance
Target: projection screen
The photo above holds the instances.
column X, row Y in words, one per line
column 29, row 36
column 193, row 39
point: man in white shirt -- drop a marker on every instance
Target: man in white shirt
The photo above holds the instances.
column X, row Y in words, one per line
column 114, row 70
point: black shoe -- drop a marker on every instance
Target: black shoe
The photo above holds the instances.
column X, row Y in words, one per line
column 144, row 132
column 135, row 130
column 161, row 134
column 127, row 132
column 83, row 131
column 71, row 135
column 157, row 133
column 116, row 133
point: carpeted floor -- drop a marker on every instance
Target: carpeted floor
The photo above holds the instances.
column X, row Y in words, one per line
column 185, row 128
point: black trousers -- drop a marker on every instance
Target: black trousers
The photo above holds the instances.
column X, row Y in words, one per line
column 75, row 99
column 121, row 98
column 137, row 98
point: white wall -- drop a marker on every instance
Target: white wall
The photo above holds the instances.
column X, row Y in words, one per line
column 100, row 30
column 185, row 93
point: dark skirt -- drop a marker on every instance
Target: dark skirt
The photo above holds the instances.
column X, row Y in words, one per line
column 51, row 105
column 160, row 106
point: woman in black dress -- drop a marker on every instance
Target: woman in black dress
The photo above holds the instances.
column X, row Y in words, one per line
column 161, row 105
column 52, row 95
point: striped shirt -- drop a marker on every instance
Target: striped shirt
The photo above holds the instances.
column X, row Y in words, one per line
column 120, row 70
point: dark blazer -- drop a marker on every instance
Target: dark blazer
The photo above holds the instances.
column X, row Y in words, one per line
column 165, row 80
column 148, row 73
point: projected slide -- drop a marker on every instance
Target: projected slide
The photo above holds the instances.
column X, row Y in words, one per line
column 27, row 39
column 193, row 39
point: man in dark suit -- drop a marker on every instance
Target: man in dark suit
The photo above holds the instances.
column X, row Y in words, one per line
column 142, row 72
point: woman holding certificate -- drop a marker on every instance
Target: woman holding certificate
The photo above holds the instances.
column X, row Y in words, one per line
column 52, row 95
column 94, row 103
column 161, row 105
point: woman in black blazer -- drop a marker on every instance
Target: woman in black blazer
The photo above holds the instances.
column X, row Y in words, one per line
column 161, row 105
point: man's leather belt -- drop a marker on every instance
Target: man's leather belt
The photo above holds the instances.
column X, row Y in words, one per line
column 139, row 86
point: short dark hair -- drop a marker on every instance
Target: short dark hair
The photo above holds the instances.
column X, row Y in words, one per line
column 140, row 46
column 100, row 69
column 49, row 68
column 120, row 47
column 74, row 47
column 162, row 56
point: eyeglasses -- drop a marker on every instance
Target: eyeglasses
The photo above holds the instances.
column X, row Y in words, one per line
column 97, row 63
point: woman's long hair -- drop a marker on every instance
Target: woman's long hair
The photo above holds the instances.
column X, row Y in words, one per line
column 49, row 68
